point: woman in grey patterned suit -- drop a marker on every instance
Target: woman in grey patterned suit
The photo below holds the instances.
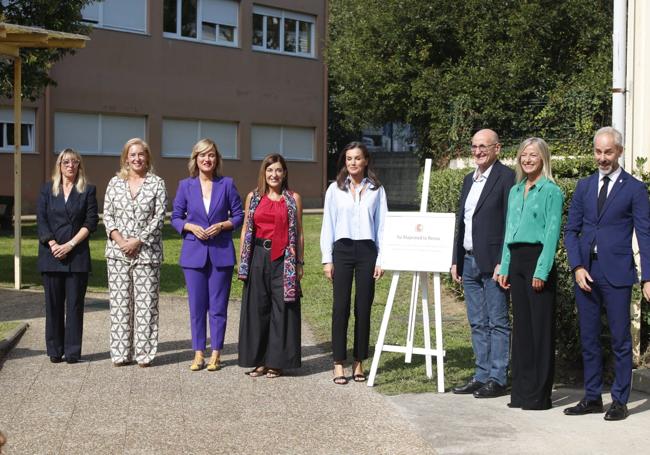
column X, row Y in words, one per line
column 134, row 212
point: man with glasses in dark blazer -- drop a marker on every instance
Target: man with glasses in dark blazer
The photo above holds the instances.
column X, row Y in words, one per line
column 478, row 243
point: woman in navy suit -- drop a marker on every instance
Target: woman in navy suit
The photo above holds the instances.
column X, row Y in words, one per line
column 66, row 215
column 207, row 208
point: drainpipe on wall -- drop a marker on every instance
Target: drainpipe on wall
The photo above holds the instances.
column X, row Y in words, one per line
column 619, row 40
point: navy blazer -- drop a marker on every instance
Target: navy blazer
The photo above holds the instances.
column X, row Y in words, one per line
column 188, row 207
column 626, row 207
column 488, row 222
column 60, row 220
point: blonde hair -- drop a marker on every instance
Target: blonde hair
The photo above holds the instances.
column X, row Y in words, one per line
column 540, row 147
column 80, row 179
column 123, row 173
column 204, row 145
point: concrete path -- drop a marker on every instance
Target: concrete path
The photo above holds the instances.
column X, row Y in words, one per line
column 93, row 407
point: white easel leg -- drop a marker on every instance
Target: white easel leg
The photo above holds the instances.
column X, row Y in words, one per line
column 410, row 332
column 440, row 366
column 426, row 324
column 382, row 331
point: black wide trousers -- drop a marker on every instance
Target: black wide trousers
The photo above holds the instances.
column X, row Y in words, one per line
column 352, row 259
column 269, row 327
column 533, row 330
column 65, row 293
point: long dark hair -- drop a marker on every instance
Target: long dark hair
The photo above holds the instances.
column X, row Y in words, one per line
column 268, row 160
column 367, row 172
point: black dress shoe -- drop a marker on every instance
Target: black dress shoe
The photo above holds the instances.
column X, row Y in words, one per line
column 471, row 387
column 617, row 411
column 71, row 360
column 585, row 406
column 56, row 359
column 491, row 389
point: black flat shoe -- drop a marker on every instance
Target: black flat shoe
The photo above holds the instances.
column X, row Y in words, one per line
column 55, row 359
column 491, row 389
column 617, row 411
column 71, row 360
column 585, row 406
column 472, row 386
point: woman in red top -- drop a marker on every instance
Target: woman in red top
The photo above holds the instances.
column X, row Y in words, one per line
column 271, row 267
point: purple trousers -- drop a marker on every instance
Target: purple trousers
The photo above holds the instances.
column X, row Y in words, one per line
column 208, row 291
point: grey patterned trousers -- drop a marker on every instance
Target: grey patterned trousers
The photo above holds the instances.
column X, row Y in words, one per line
column 134, row 290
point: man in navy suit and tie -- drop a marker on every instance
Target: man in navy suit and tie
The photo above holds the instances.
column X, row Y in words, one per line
column 480, row 228
column 598, row 236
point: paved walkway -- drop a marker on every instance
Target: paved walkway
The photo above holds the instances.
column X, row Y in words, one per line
column 92, row 407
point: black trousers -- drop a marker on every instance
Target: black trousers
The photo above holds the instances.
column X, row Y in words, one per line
column 352, row 259
column 269, row 327
column 533, row 330
column 65, row 293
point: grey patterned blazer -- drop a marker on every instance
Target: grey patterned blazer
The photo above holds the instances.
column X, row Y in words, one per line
column 140, row 217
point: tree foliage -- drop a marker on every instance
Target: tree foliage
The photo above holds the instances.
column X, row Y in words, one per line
column 530, row 67
column 62, row 16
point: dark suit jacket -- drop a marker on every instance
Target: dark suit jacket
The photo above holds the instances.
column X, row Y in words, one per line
column 188, row 207
column 489, row 220
column 60, row 220
column 626, row 207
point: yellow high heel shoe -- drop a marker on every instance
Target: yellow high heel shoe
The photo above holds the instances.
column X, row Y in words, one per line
column 198, row 362
column 215, row 361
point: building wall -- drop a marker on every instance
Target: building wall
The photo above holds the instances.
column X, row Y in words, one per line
column 157, row 77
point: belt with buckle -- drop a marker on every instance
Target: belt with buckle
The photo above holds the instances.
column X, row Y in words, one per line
column 266, row 243
column 469, row 252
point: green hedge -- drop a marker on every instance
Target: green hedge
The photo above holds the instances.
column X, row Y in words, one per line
column 444, row 194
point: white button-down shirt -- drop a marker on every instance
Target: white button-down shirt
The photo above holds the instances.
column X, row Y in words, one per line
column 478, row 183
column 355, row 216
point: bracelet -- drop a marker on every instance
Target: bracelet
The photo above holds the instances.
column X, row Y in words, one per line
column 72, row 243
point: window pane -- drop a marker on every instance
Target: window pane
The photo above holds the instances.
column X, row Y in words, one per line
column 209, row 31
column 2, row 136
column 10, row 134
column 117, row 129
column 129, row 15
column 305, row 37
column 258, row 30
column 298, row 143
column 26, row 135
column 178, row 137
column 290, row 35
column 224, row 12
column 169, row 16
column 227, row 33
column 265, row 140
column 272, row 32
column 188, row 18
column 77, row 131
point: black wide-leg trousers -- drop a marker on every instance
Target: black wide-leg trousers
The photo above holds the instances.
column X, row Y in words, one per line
column 269, row 327
column 352, row 259
column 533, row 330
column 65, row 293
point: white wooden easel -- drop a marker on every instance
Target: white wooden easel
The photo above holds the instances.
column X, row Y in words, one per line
column 419, row 281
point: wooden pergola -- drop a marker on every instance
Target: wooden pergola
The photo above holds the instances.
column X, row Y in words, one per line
column 12, row 39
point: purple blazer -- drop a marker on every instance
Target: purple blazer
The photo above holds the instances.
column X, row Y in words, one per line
column 225, row 204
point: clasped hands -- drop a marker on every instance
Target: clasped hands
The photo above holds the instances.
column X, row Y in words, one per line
column 204, row 234
column 130, row 247
column 60, row 251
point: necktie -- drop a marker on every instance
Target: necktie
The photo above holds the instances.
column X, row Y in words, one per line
column 602, row 194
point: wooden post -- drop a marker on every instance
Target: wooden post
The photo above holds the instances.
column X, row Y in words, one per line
column 17, row 171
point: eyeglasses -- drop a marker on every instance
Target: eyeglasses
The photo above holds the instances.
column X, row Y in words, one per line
column 73, row 163
column 482, row 147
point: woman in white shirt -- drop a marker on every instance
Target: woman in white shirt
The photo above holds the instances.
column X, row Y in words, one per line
column 351, row 238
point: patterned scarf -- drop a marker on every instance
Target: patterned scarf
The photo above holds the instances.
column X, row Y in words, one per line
column 291, row 283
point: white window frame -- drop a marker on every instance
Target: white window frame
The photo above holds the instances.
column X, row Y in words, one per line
column 100, row 116
column 199, row 135
column 199, row 28
column 28, row 118
column 265, row 12
column 281, row 151
column 100, row 20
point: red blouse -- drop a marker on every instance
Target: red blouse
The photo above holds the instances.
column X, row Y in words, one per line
column 272, row 222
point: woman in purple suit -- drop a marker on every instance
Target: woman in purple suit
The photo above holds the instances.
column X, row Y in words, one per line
column 207, row 208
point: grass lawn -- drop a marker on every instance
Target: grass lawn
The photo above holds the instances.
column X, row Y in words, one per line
column 6, row 327
column 394, row 376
